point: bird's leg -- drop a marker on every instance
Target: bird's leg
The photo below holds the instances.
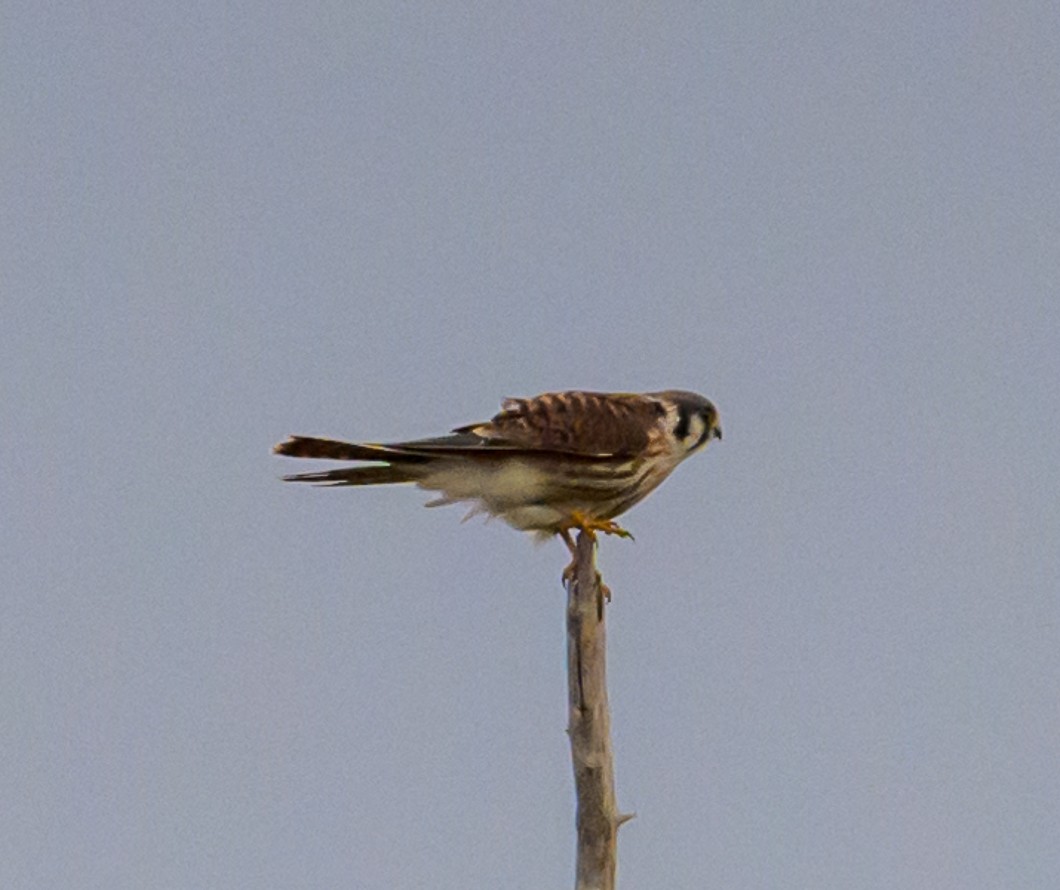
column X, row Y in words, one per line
column 571, row 570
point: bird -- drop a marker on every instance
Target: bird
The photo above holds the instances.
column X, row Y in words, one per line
column 549, row 464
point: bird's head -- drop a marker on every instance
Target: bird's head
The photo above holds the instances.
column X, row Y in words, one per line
column 694, row 420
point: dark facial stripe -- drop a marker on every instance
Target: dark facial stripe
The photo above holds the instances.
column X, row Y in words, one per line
column 684, row 421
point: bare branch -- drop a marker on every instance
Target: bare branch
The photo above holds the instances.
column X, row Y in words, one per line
column 589, row 729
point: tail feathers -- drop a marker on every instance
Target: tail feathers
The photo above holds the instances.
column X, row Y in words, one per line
column 330, row 449
column 378, row 475
column 390, row 466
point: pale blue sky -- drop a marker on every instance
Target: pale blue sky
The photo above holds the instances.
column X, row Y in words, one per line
column 835, row 643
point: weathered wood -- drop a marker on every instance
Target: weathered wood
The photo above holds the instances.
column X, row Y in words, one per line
column 589, row 728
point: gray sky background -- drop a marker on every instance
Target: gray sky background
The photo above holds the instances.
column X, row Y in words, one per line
column 834, row 645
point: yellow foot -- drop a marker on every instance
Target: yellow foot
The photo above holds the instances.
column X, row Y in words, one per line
column 608, row 527
column 591, row 525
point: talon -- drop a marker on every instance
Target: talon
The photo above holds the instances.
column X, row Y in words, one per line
column 604, row 589
column 613, row 528
column 570, row 572
column 591, row 525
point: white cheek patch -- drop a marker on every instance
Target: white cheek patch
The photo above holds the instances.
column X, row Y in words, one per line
column 696, row 427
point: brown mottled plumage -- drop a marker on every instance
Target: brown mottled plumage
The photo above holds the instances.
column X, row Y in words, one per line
column 546, row 464
column 579, row 422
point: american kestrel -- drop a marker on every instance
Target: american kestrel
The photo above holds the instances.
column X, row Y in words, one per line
column 548, row 464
